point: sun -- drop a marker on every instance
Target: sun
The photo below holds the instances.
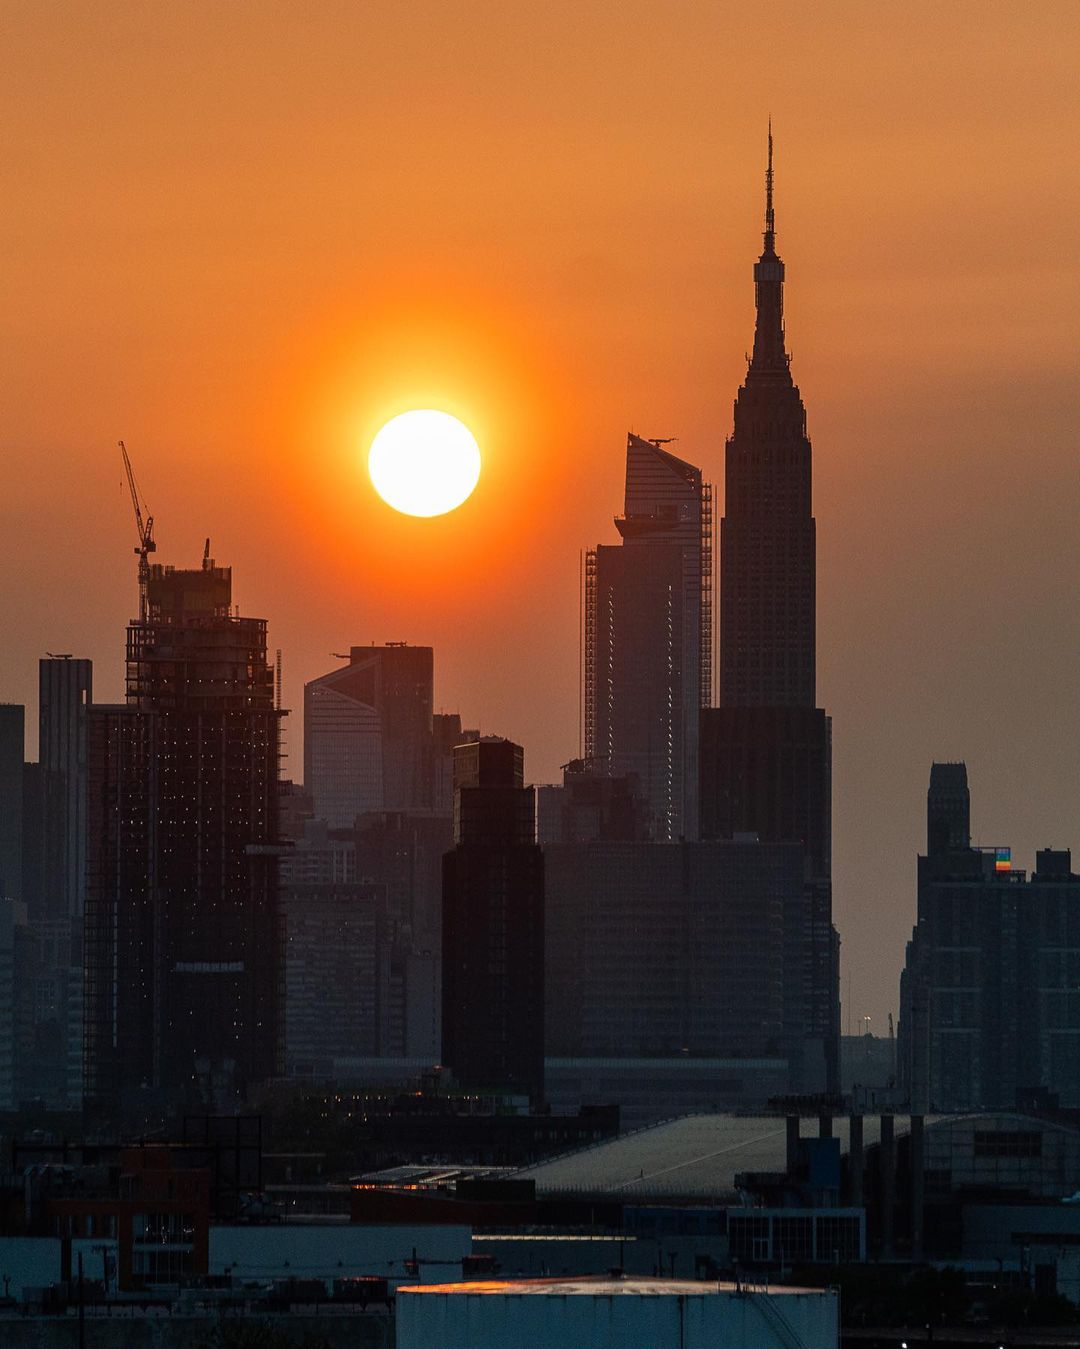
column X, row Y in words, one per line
column 424, row 462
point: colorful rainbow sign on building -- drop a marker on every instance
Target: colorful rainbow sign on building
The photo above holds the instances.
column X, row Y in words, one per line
column 1002, row 861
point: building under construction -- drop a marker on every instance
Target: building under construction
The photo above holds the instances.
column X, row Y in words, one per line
column 183, row 944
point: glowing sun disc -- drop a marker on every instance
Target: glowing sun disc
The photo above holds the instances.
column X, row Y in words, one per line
column 424, row 463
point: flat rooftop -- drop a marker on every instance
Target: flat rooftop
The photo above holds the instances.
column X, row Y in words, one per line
column 602, row 1287
column 695, row 1157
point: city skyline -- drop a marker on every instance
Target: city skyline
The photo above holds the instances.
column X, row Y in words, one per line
column 946, row 628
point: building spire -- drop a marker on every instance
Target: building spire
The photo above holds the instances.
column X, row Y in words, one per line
column 770, row 219
column 769, row 359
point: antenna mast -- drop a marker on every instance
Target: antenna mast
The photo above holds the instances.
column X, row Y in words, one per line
column 145, row 528
column 770, row 219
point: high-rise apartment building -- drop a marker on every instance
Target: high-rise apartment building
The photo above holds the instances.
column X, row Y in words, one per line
column 18, row 969
column 65, row 692
column 989, row 1000
column 183, row 951
column 766, row 754
column 648, row 636
column 361, row 910
column 655, row 952
column 493, row 926
column 12, row 747
column 368, row 734
column 341, row 995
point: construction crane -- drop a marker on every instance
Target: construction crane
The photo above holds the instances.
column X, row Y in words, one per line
column 145, row 527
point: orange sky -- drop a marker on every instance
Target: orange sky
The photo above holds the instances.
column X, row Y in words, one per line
column 241, row 236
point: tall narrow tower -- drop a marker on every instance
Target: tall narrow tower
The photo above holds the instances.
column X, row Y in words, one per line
column 648, row 636
column 767, row 536
column 766, row 758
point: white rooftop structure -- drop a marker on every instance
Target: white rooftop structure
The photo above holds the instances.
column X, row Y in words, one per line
column 609, row 1313
column 696, row 1157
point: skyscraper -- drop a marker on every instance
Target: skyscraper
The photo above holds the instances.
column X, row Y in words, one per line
column 648, row 636
column 493, row 926
column 766, row 759
column 182, row 929
column 989, row 1008
column 65, row 694
column 12, row 743
column 948, row 810
column 65, row 691
column 368, row 734
column 767, row 535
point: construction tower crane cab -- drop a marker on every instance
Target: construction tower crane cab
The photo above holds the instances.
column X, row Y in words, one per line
column 145, row 528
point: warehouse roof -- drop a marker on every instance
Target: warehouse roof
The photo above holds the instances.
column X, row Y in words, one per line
column 697, row 1156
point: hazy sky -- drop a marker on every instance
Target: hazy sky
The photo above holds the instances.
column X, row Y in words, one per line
column 241, row 235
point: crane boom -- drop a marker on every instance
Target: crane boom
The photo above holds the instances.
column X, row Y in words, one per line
column 145, row 528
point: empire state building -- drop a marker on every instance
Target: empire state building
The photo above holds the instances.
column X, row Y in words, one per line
column 767, row 536
column 766, row 750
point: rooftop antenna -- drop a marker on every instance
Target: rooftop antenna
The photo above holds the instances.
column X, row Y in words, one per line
column 770, row 219
column 145, row 528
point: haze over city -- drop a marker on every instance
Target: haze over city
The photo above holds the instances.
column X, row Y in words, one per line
column 241, row 242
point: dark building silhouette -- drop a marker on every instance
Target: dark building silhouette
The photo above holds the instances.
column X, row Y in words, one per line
column 648, row 636
column 493, row 926
column 343, row 989
column 766, row 770
column 34, row 811
column 368, row 733
column 948, row 810
column 989, row 1001
column 183, row 943
column 656, row 952
column 766, row 752
column 18, row 971
column 12, row 743
column 362, row 916
column 65, row 692
column 57, row 912
column 446, row 733
column 592, row 805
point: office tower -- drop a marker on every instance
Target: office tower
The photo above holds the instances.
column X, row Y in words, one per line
column 493, row 926
column 446, row 733
column 403, row 850
column 591, row 805
column 766, row 753
column 655, row 952
column 989, row 1009
column 183, row 952
column 948, row 810
column 648, row 636
column 65, row 691
column 341, row 998
column 367, row 733
column 18, row 960
column 363, row 902
column 12, row 742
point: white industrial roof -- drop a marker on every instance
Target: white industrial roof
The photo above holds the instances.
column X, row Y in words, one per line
column 697, row 1156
